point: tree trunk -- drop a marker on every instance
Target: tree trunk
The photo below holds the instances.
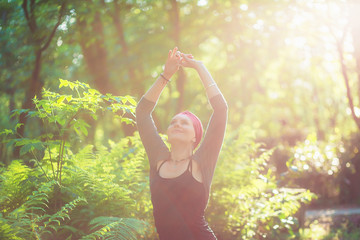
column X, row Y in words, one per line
column 355, row 32
column 354, row 20
column 138, row 85
column 35, row 83
column 34, row 88
column 95, row 54
column 119, row 26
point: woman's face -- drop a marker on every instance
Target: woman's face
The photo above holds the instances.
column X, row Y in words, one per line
column 181, row 129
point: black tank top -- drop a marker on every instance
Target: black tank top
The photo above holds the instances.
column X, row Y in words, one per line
column 179, row 204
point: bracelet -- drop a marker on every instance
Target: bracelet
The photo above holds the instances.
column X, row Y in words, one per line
column 167, row 80
column 213, row 84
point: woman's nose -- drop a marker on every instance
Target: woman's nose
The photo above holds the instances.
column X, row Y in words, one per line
column 177, row 124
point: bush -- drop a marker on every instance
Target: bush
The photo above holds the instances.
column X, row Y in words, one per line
column 62, row 195
column 246, row 202
column 103, row 192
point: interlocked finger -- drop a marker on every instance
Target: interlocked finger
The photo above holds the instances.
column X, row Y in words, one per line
column 178, row 54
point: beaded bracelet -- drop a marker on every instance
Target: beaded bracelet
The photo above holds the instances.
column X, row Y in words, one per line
column 213, row 84
column 167, row 80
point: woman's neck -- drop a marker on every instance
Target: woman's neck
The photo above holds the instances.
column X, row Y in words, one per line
column 180, row 152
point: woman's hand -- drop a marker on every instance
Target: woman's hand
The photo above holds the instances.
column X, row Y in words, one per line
column 187, row 60
column 172, row 63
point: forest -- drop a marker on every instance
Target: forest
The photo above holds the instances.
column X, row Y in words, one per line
column 72, row 164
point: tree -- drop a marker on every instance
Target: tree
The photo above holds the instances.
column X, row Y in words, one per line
column 40, row 37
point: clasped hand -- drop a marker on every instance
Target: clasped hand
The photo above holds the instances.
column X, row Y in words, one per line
column 176, row 59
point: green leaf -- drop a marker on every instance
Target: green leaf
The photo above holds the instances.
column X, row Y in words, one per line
column 131, row 100
column 63, row 83
column 61, row 99
column 93, row 91
column 84, row 130
column 6, row 132
column 26, row 148
column 71, row 85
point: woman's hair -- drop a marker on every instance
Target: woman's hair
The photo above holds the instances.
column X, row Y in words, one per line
column 197, row 126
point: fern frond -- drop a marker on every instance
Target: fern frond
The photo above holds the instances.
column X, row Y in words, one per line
column 54, row 221
column 116, row 228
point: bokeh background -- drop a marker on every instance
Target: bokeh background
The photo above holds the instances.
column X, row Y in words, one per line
column 289, row 70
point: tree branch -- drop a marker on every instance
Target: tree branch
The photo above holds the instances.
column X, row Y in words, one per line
column 355, row 27
column 61, row 14
column 26, row 12
column 339, row 44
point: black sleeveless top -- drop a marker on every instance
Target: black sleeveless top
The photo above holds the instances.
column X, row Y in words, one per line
column 179, row 204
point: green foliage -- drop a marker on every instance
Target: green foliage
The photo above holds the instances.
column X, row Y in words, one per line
column 335, row 229
column 17, row 182
column 275, row 61
column 31, row 221
column 116, row 228
column 43, row 201
column 343, row 233
column 102, row 180
column 315, row 156
column 63, row 116
column 316, row 165
column 246, row 202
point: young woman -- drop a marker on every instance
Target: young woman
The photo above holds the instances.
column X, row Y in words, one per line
column 180, row 178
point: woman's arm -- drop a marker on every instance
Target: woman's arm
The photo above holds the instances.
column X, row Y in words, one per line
column 208, row 152
column 206, row 78
column 154, row 145
column 171, row 66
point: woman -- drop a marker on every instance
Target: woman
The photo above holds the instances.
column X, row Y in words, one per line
column 180, row 178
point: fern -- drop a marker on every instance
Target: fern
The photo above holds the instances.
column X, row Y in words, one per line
column 30, row 220
column 246, row 202
column 116, row 228
column 17, row 182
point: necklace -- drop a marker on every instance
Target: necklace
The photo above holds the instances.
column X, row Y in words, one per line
column 176, row 162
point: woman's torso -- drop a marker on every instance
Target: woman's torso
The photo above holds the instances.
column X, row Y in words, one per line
column 179, row 204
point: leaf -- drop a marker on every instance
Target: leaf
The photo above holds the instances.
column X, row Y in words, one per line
column 18, row 125
column 6, row 132
column 131, row 100
column 84, row 130
column 71, row 85
column 33, row 113
column 93, row 91
column 61, row 99
column 26, row 148
column 63, row 83
column 128, row 121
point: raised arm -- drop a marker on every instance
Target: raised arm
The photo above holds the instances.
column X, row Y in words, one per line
column 154, row 145
column 206, row 78
column 171, row 67
column 208, row 152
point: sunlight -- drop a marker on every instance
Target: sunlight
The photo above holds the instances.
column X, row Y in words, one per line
column 59, row 42
column 266, row 80
column 202, row 3
column 244, row 7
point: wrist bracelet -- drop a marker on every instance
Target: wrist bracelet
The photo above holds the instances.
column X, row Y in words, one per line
column 213, row 84
column 167, row 80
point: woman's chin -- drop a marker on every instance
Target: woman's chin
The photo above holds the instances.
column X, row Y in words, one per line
column 177, row 140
